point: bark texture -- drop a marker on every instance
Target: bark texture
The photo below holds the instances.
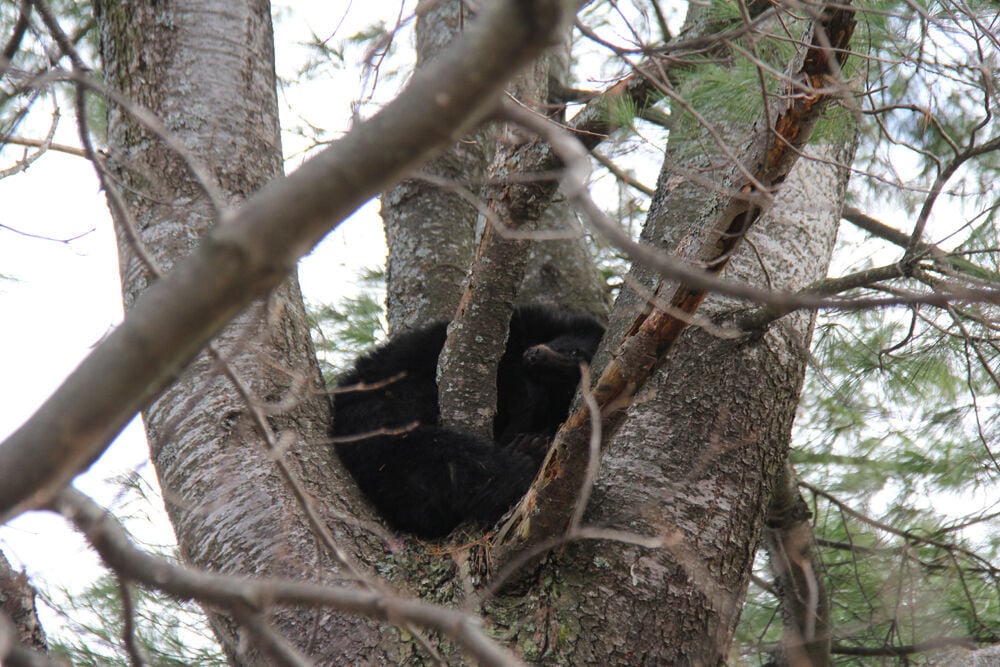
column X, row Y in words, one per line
column 561, row 271
column 513, row 249
column 17, row 603
column 695, row 461
column 215, row 450
column 692, row 467
column 430, row 227
column 230, row 508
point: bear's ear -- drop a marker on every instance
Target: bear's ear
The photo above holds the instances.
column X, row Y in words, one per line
column 560, row 356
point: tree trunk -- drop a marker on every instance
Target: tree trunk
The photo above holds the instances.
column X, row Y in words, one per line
column 691, row 468
column 798, row 577
column 561, row 271
column 692, row 465
column 231, row 510
column 430, row 228
column 431, row 222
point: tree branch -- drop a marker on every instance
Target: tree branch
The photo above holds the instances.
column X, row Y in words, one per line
column 805, row 605
column 247, row 596
column 255, row 247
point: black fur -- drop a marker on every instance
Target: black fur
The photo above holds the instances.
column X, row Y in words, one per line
column 425, row 479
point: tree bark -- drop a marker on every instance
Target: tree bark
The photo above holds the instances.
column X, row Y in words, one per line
column 431, row 220
column 691, row 469
column 561, row 271
column 798, row 575
column 430, row 228
column 217, row 447
column 513, row 254
column 694, row 463
column 230, row 508
column 17, row 603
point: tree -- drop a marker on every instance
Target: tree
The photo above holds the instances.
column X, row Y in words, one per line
column 637, row 541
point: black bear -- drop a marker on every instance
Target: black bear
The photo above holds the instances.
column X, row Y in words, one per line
column 424, row 479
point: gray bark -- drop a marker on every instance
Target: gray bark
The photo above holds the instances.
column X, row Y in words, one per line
column 519, row 257
column 692, row 464
column 696, row 457
column 430, row 228
column 430, row 221
column 230, row 509
column 561, row 271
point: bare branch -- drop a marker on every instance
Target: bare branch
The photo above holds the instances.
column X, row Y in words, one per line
column 14, row 43
column 907, row 649
column 132, row 646
column 916, row 238
column 249, row 596
column 593, row 452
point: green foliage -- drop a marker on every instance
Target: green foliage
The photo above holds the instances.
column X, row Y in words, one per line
column 170, row 633
column 891, row 392
column 895, row 429
column 723, row 13
column 898, row 426
column 730, row 90
column 620, row 111
column 32, row 58
column 340, row 332
column 722, row 93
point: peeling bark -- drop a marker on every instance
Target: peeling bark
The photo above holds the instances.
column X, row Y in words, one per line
column 692, row 467
column 686, row 478
column 747, row 189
